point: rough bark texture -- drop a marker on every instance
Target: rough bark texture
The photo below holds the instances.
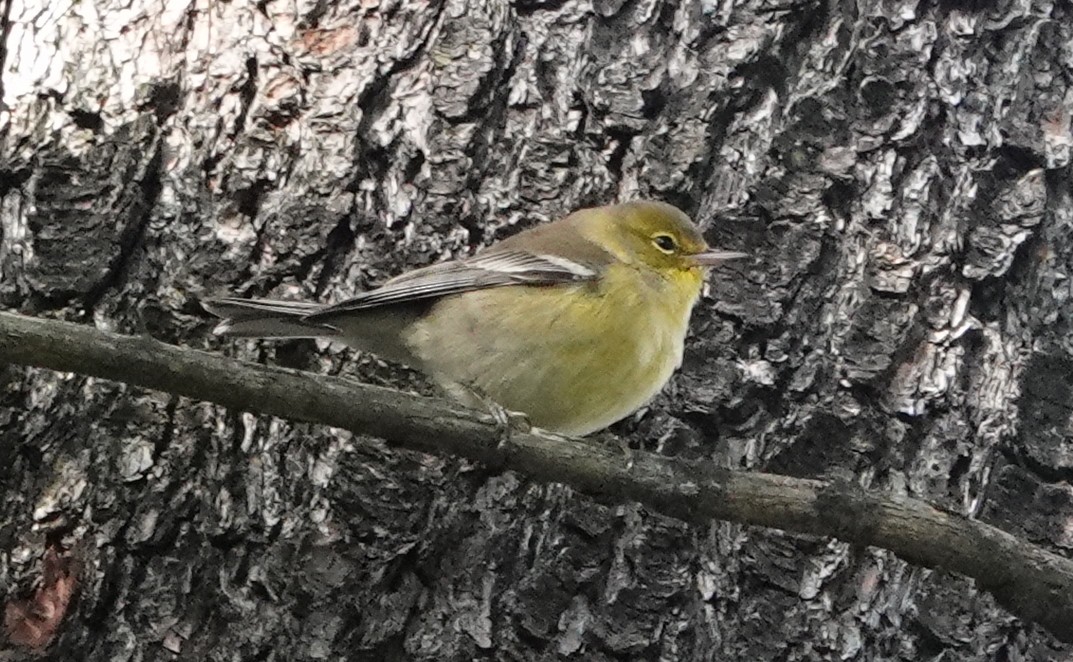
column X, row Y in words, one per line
column 900, row 171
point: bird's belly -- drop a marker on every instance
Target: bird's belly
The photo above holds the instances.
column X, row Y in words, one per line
column 573, row 368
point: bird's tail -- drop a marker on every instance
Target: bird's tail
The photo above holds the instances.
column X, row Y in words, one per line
column 264, row 318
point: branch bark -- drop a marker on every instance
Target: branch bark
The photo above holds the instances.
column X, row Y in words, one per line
column 1032, row 583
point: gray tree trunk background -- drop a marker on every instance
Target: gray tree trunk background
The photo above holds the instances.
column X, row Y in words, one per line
column 900, row 172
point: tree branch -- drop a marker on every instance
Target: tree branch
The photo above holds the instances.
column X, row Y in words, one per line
column 1032, row 583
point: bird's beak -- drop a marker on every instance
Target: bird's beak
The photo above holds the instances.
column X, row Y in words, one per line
column 715, row 258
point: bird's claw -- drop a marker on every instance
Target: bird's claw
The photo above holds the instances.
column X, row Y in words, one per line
column 507, row 422
column 608, row 439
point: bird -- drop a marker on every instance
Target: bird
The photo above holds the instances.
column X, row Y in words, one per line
column 575, row 324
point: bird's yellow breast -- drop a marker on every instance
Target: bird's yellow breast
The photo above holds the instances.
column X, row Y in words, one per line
column 573, row 360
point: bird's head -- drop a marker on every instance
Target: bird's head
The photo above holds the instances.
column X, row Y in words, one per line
column 659, row 236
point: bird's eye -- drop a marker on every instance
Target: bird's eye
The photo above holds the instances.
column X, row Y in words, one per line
column 665, row 243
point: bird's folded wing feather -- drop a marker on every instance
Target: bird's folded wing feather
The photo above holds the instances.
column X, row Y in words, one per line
column 491, row 269
column 237, row 309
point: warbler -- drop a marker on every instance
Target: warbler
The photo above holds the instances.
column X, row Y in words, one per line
column 576, row 323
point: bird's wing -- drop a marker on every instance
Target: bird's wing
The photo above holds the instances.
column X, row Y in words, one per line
column 490, row 269
column 237, row 309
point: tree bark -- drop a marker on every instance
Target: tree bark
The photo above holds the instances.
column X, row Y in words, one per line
column 899, row 171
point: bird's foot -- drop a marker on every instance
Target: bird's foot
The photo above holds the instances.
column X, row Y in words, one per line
column 507, row 422
column 609, row 439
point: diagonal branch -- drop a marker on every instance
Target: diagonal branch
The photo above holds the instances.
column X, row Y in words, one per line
column 1031, row 582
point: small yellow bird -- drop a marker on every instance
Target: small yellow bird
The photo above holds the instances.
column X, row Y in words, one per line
column 576, row 323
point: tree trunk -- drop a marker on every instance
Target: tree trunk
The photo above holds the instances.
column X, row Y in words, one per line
column 900, row 173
